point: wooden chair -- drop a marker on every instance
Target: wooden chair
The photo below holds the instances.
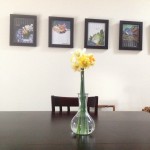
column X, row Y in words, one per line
column 58, row 101
column 106, row 106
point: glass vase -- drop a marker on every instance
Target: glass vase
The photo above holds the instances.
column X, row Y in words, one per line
column 82, row 123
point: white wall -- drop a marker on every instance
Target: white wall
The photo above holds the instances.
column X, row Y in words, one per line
column 30, row 75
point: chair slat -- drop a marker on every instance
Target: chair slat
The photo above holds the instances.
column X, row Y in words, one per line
column 58, row 101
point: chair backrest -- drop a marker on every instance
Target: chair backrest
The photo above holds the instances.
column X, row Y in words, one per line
column 58, row 101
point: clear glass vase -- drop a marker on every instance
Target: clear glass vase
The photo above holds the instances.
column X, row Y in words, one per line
column 82, row 123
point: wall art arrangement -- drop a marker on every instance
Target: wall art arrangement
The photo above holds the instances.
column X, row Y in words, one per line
column 96, row 34
column 61, row 32
column 23, row 30
column 130, row 36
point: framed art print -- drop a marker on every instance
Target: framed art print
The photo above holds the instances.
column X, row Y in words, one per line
column 96, row 34
column 61, row 32
column 23, row 30
column 130, row 35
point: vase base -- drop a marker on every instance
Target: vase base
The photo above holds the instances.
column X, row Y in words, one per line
column 82, row 123
column 81, row 134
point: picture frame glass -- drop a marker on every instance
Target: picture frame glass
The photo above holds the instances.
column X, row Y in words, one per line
column 96, row 34
column 61, row 32
column 130, row 35
column 23, row 30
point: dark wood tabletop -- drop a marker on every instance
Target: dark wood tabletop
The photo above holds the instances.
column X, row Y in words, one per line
column 44, row 131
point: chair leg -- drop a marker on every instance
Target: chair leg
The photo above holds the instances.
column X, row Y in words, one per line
column 88, row 109
column 96, row 109
column 60, row 109
column 53, row 109
column 68, row 109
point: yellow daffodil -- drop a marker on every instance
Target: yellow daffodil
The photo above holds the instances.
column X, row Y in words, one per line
column 81, row 60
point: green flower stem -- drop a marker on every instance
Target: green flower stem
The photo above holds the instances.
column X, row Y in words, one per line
column 82, row 92
column 82, row 127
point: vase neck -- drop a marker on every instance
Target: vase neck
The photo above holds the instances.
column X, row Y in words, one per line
column 83, row 102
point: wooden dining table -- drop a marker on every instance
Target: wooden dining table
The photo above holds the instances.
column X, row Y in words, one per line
column 42, row 130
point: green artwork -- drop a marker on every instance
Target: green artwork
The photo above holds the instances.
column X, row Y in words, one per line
column 97, row 39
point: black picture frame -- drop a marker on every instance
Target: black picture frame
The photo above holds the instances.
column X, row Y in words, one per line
column 61, row 32
column 96, row 33
column 130, row 35
column 23, row 30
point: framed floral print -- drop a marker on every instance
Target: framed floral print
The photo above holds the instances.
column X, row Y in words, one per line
column 130, row 35
column 96, row 34
column 61, row 32
column 23, row 30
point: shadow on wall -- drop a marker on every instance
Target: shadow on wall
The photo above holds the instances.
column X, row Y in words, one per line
column 148, row 38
